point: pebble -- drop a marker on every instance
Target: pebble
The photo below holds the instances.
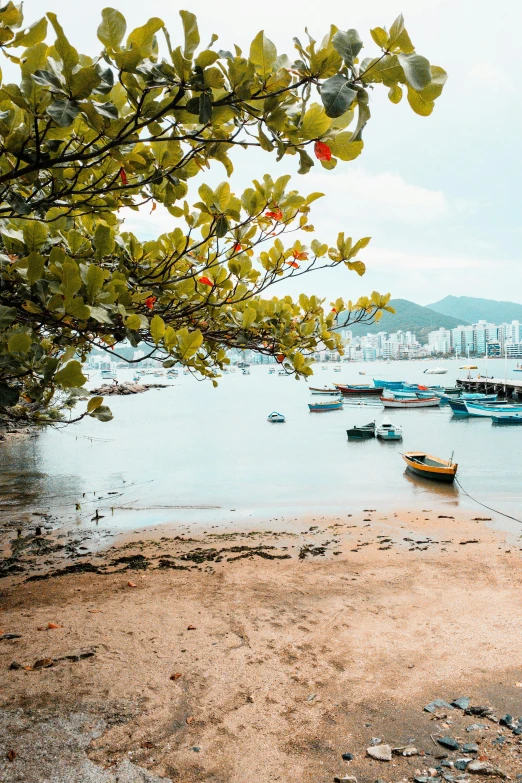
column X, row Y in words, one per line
column 346, row 779
column 348, row 757
column 380, row 752
column 483, row 768
column 437, row 704
column 462, row 703
column 470, row 747
column 448, row 742
column 476, row 727
column 410, row 750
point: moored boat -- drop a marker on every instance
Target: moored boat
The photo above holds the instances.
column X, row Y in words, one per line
column 276, row 418
column 388, row 431
column 362, row 433
column 388, row 384
column 358, row 389
column 487, row 411
column 427, row 466
column 324, row 390
column 509, row 419
column 326, row 405
column 410, row 402
column 436, row 371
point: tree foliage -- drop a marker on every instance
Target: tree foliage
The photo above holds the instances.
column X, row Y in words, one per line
column 85, row 140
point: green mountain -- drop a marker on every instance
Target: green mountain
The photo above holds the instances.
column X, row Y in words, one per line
column 472, row 309
column 409, row 317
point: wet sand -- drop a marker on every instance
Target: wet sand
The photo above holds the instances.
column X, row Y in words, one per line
column 249, row 656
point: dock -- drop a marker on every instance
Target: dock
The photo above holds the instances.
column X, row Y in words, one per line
column 508, row 389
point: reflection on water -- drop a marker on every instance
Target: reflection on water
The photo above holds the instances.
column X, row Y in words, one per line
column 192, row 453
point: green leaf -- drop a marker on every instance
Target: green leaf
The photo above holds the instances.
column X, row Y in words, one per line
column 344, row 147
column 103, row 240
column 190, row 29
column 71, row 280
column 35, row 267
column 108, row 110
column 315, row 122
column 8, row 396
column 221, row 196
column 348, row 44
column 189, row 342
column 205, row 108
column 32, row 35
column 102, row 413
column 263, row 54
column 395, row 93
column 248, row 317
column 20, row 342
column 47, row 79
column 305, row 162
column 11, row 14
column 84, row 81
column 7, row 316
column 416, row 70
column 70, row 376
column 419, row 104
column 77, row 308
column 142, row 38
column 399, row 40
column 157, row 328
column 35, row 234
column 337, row 95
column 133, row 322
column 221, row 226
column 94, row 403
column 67, row 53
column 63, row 112
column 112, row 28
column 380, row 37
column 95, row 278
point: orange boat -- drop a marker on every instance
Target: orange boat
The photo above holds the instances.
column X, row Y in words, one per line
column 422, row 464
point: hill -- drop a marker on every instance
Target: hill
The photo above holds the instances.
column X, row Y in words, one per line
column 409, row 317
column 472, row 309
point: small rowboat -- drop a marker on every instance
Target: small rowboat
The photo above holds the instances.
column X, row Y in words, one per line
column 324, row 390
column 509, row 419
column 410, row 402
column 327, row 405
column 422, row 464
column 388, row 431
column 359, row 390
column 362, row 433
column 276, row 418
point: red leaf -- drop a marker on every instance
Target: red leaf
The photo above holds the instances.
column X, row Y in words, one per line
column 276, row 214
column 280, row 358
column 334, row 310
column 238, row 247
column 123, row 176
column 149, row 302
column 322, row 151
column 205, row 281
column 300, row 255
column 293, row 263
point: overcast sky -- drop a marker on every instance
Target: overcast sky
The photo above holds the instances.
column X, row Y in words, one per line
column 440, row 196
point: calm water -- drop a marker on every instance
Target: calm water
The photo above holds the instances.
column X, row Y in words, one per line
column 196, row 454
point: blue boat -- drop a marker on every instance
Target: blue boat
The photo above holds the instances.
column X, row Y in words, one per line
column 489, row 410
column 389, row 384
column 326, row 405
column 507, row 419
column 276, row 418
column 458, row 407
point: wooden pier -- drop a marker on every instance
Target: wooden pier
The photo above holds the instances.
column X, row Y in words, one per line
column 508, row 389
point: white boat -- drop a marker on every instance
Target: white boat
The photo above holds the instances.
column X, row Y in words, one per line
column 488, row 411
column 436, row 371
column 388, row 431
column 108, row 375
column 337, row 369
column 276, row 418
column 410, row 402
column 324, row 390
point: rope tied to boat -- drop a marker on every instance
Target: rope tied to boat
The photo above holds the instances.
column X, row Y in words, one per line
column 490, row 508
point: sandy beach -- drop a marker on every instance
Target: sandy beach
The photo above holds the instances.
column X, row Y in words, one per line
column 249, row 656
